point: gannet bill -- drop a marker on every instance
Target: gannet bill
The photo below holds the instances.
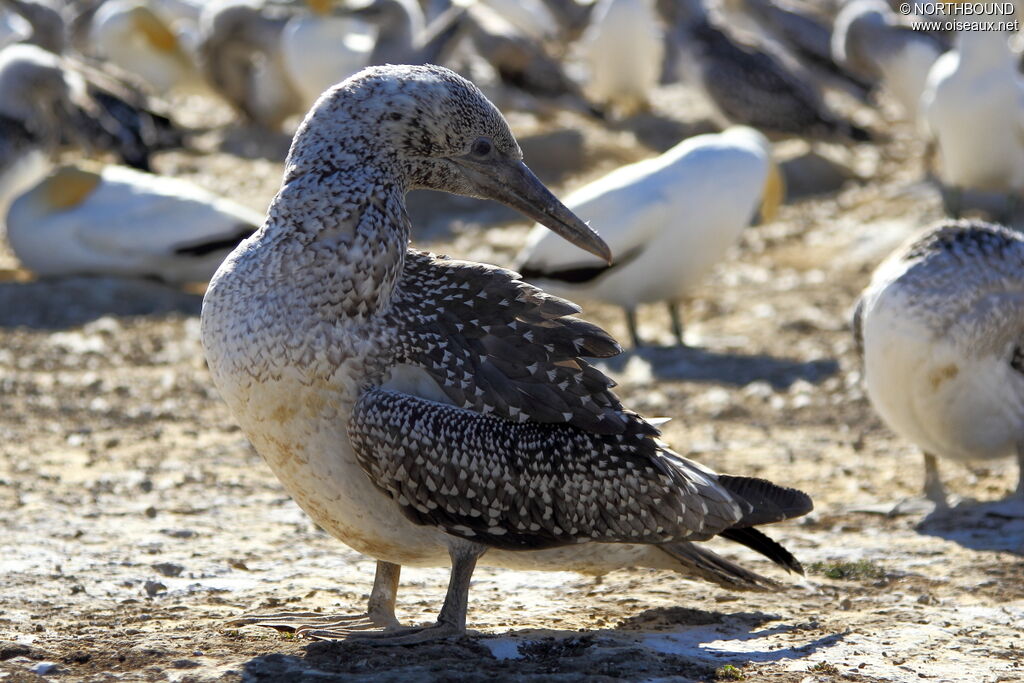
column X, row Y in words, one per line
column 940, row 329
column 973, row 107
column 668, row 220
column 624, row 48
column 871, row 41
column 119, row 221
column 425, row 410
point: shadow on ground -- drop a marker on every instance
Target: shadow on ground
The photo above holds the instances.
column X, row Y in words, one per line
column 992, row 526
column 68, row 302
column 701, row 365
column 681, row 643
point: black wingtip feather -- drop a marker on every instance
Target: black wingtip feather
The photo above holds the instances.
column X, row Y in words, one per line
column 759, row 542
column 768, row 502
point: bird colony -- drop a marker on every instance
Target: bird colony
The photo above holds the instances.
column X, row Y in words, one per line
column 494, row 378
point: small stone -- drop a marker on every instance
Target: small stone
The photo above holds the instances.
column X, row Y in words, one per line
column 154, row 587
column 168, row 568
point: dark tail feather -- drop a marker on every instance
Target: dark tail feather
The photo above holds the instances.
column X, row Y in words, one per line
column 858, row 134
column 768, row 502
column 715, row 568
column 755, row 540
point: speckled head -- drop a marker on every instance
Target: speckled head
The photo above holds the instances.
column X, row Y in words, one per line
column 427, row 127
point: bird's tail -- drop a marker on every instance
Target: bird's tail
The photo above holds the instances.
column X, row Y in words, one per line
column 764, row 503
column 703, row 563
column 858, row 134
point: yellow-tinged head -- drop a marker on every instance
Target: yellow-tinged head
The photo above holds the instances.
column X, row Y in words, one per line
column 320, row 7
column 68, row 186
column 154, row 30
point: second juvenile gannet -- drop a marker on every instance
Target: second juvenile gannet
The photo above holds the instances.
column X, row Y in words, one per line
column 941, row 333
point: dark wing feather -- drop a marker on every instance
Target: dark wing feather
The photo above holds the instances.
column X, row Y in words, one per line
column 530, row 486
column 497, row 345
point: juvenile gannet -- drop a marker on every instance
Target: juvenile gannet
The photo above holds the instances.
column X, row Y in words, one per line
column 973, row 106
column 668, row 220
column 240, row 55
column 873, row 42
column 47, row 29
column 35, row 109
column 624, row 48
column 941, row 333
column 521, row 62
column 420, row 408
column 120, row 221
column 753, row 87
column 797, row 30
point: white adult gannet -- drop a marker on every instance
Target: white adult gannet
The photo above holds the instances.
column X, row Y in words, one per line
column 668, row 220
column 424, row 410
column 624, row 48
column 136, row 38
column 873, row 42
column 941, row 333
column 119, row 221
column 973, row 107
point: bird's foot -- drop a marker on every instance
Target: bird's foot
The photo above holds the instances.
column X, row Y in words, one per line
column 399, row 635
column 305, row 623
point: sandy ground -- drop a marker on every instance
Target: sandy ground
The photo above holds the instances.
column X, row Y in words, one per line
column 137, row 519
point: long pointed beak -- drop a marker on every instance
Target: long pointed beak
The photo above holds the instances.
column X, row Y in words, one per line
column 513, row 184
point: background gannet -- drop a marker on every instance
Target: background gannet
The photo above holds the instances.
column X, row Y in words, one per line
column 668, row 220
column 871, row 41
column 624, row 49
column 119, row 221
column 941, row 333
column 973, row 106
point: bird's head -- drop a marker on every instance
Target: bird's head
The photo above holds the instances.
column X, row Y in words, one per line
column 434, row 130
column 35, row 89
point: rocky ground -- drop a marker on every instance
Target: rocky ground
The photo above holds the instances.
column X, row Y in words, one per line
column 138, row 520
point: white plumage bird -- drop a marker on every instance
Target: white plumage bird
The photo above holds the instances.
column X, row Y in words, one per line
column 668, row 220
column 120, row 221
column 624, row 48
column 138, row 40
column 319, row 51
column 941, row 332
column 874, row 43
column 973, row 106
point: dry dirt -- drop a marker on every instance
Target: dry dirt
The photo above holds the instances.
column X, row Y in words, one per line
column 137, row 519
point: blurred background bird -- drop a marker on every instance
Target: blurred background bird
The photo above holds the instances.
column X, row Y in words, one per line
column 668, row 221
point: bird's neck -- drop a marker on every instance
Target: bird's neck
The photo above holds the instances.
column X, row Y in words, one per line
column 345, row 223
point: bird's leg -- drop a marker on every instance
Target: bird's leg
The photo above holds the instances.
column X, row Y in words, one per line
column 933, row 489
column 452, row 619
column 380, row 612
column 955, row 202
column 631, row 324
column 1019, row 493
column 677, row 322
column 1010, row 208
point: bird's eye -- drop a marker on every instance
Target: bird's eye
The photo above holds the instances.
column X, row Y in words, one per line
column 481, row 148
